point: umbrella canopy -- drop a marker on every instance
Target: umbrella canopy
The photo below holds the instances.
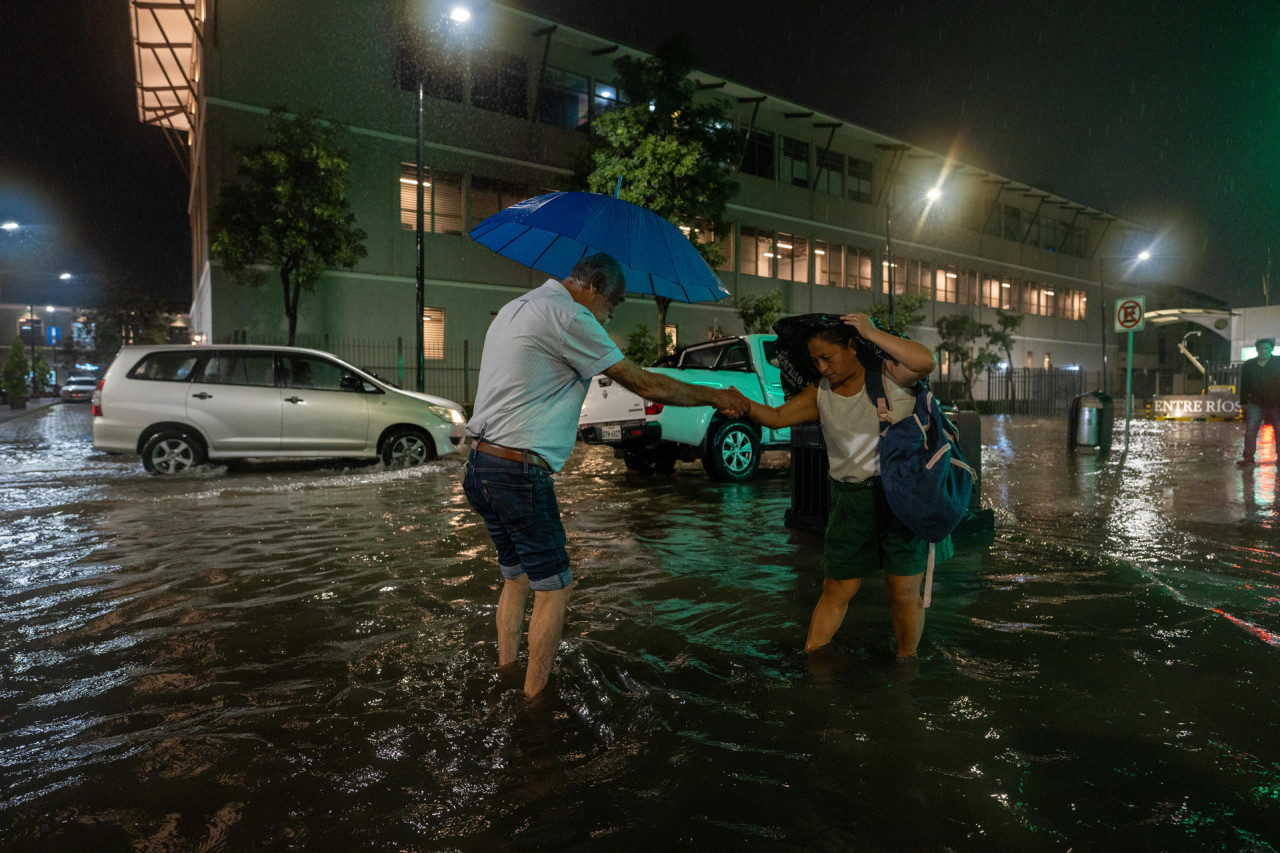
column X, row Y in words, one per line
column 793, row 348
column 552, row 232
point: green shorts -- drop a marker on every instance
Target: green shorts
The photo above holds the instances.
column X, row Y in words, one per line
column 865, row 538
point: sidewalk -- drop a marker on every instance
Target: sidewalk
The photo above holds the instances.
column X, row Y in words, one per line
column 32, row 406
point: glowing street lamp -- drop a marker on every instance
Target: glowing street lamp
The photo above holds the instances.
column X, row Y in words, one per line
column 459, row 15
column 929, row 199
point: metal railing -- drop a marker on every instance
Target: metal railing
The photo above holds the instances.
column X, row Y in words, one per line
column 452, row 372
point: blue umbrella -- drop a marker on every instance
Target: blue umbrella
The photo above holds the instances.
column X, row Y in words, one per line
column 550, row 233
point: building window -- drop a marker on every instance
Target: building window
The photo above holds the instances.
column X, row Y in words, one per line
column 859, row 184
column 831, row 173
column 722, row 236
column 793, row 258
column 1073, row 305
column 756, row 254
column 828, row 263
column 441, row 200
column 1047, row 361
column 997, row 293
column 1012, row 223
column 757, row 157
column 893, row 270
column 857, row 268
column 607, row 98
column 1031, row 359
column 795, row 162
column 967, row 287
column 673, row 337
column 565, row 99
column 500, row 83
column 433, row 334
column 488, row 196
column 440, row 75
column 945, row 285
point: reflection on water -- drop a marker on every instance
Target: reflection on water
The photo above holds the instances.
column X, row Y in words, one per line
column 301, row 656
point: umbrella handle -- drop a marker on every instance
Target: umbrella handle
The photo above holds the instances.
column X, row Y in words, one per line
column 617, row 188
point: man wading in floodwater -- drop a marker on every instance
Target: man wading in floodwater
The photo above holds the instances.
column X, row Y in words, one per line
column 540, row 353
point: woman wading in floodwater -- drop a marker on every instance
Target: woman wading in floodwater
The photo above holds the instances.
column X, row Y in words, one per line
column 864, row 538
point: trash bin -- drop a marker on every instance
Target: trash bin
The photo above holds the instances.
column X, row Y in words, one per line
column 810, row 495
column 1089, row 419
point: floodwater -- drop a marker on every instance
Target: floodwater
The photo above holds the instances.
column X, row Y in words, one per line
column 302, row 657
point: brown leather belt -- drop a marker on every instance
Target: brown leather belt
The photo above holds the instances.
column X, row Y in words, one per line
column 526, row 456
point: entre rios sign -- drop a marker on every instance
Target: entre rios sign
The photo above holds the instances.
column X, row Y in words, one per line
column 1216, row 406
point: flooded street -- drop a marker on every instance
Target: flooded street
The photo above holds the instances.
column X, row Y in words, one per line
column 289, row 656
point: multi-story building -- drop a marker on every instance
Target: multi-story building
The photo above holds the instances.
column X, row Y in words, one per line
column 825, row 210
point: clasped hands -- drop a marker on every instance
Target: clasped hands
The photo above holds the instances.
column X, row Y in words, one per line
column 731, row 402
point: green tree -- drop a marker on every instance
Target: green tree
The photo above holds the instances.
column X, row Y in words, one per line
column 641, row 346
column 13, row 376
column 676, row 157
column 40, row 377
column 759, row 311
column 1002, row 337
column 960, row 334
column 908, row 310
column 125, row 313
column 288, row 210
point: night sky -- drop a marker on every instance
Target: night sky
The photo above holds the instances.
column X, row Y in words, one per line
column 1167, row 113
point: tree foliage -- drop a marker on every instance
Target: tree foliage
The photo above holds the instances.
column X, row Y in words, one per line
column 124, row 313
column 908, row 310
column 960, row 335
column 759, row 311
column 288, row 210
column 13, row 376
column 1002, row 337
column 641, row 346
column 41, row 375
column 676, row 157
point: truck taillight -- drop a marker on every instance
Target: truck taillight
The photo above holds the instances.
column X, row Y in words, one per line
column 652, row 408
column 97, row 399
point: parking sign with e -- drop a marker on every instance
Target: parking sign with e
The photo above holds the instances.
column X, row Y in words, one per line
column 1131, row 313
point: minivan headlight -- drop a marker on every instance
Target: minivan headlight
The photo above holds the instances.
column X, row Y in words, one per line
column 447, row 414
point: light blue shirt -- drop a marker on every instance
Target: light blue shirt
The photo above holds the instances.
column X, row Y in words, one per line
column 540, row 353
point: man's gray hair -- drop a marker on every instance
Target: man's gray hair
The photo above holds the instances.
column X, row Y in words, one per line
column 601, row 263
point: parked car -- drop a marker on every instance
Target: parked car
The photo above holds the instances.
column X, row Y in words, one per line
column 78, row 388
column 650, row 436
column 179, row 406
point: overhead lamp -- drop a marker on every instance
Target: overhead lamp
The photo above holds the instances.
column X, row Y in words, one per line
column 819, row 251
column 65, row 276
column 951, row 275
column 460, row 14
column 10, row 226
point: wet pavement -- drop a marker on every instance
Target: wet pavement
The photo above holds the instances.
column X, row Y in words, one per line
column 293, row 656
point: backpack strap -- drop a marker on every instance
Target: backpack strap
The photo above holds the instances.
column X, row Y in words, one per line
column 873, row 383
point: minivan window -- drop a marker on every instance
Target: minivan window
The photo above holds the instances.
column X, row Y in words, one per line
column 239, row 368
column 166, row 366
column 304, row 371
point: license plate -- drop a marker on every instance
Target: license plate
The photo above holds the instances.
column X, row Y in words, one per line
column 611, row 432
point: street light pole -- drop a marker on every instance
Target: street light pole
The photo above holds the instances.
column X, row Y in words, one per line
column 1102, row 315
column 888, row 256
column 31, row 333
column 419, row 335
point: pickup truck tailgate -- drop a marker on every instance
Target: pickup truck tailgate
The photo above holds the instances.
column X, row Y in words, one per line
column 607, row 402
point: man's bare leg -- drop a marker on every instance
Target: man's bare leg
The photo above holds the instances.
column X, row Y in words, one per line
column 829, row 611
column 510, row 618
column 544, row 637
column 907, row 610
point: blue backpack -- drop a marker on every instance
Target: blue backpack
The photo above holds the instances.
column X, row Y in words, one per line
column 925, row 477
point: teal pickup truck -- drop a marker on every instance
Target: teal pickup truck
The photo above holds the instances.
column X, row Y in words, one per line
column 651, row 437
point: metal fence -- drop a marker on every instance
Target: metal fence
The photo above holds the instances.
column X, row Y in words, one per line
column 451, row 372
column 1034, row 391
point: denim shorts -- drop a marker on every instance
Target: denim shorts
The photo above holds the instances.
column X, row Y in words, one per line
column 518, row 504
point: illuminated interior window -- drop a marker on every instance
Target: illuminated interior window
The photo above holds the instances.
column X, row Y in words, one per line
column 433, row 334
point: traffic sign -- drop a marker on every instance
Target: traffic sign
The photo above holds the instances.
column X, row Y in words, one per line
column 1131, row 313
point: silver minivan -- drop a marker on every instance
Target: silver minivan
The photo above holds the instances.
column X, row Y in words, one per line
column 180, row 406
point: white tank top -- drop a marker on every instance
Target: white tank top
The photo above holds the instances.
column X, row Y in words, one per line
column 851, row 428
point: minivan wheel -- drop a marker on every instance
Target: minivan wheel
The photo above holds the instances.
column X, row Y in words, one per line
column 171, row 451
column 407, row 447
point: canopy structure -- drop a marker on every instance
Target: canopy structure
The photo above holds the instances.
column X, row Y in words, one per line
column 167, row 35
column 1213, row 320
